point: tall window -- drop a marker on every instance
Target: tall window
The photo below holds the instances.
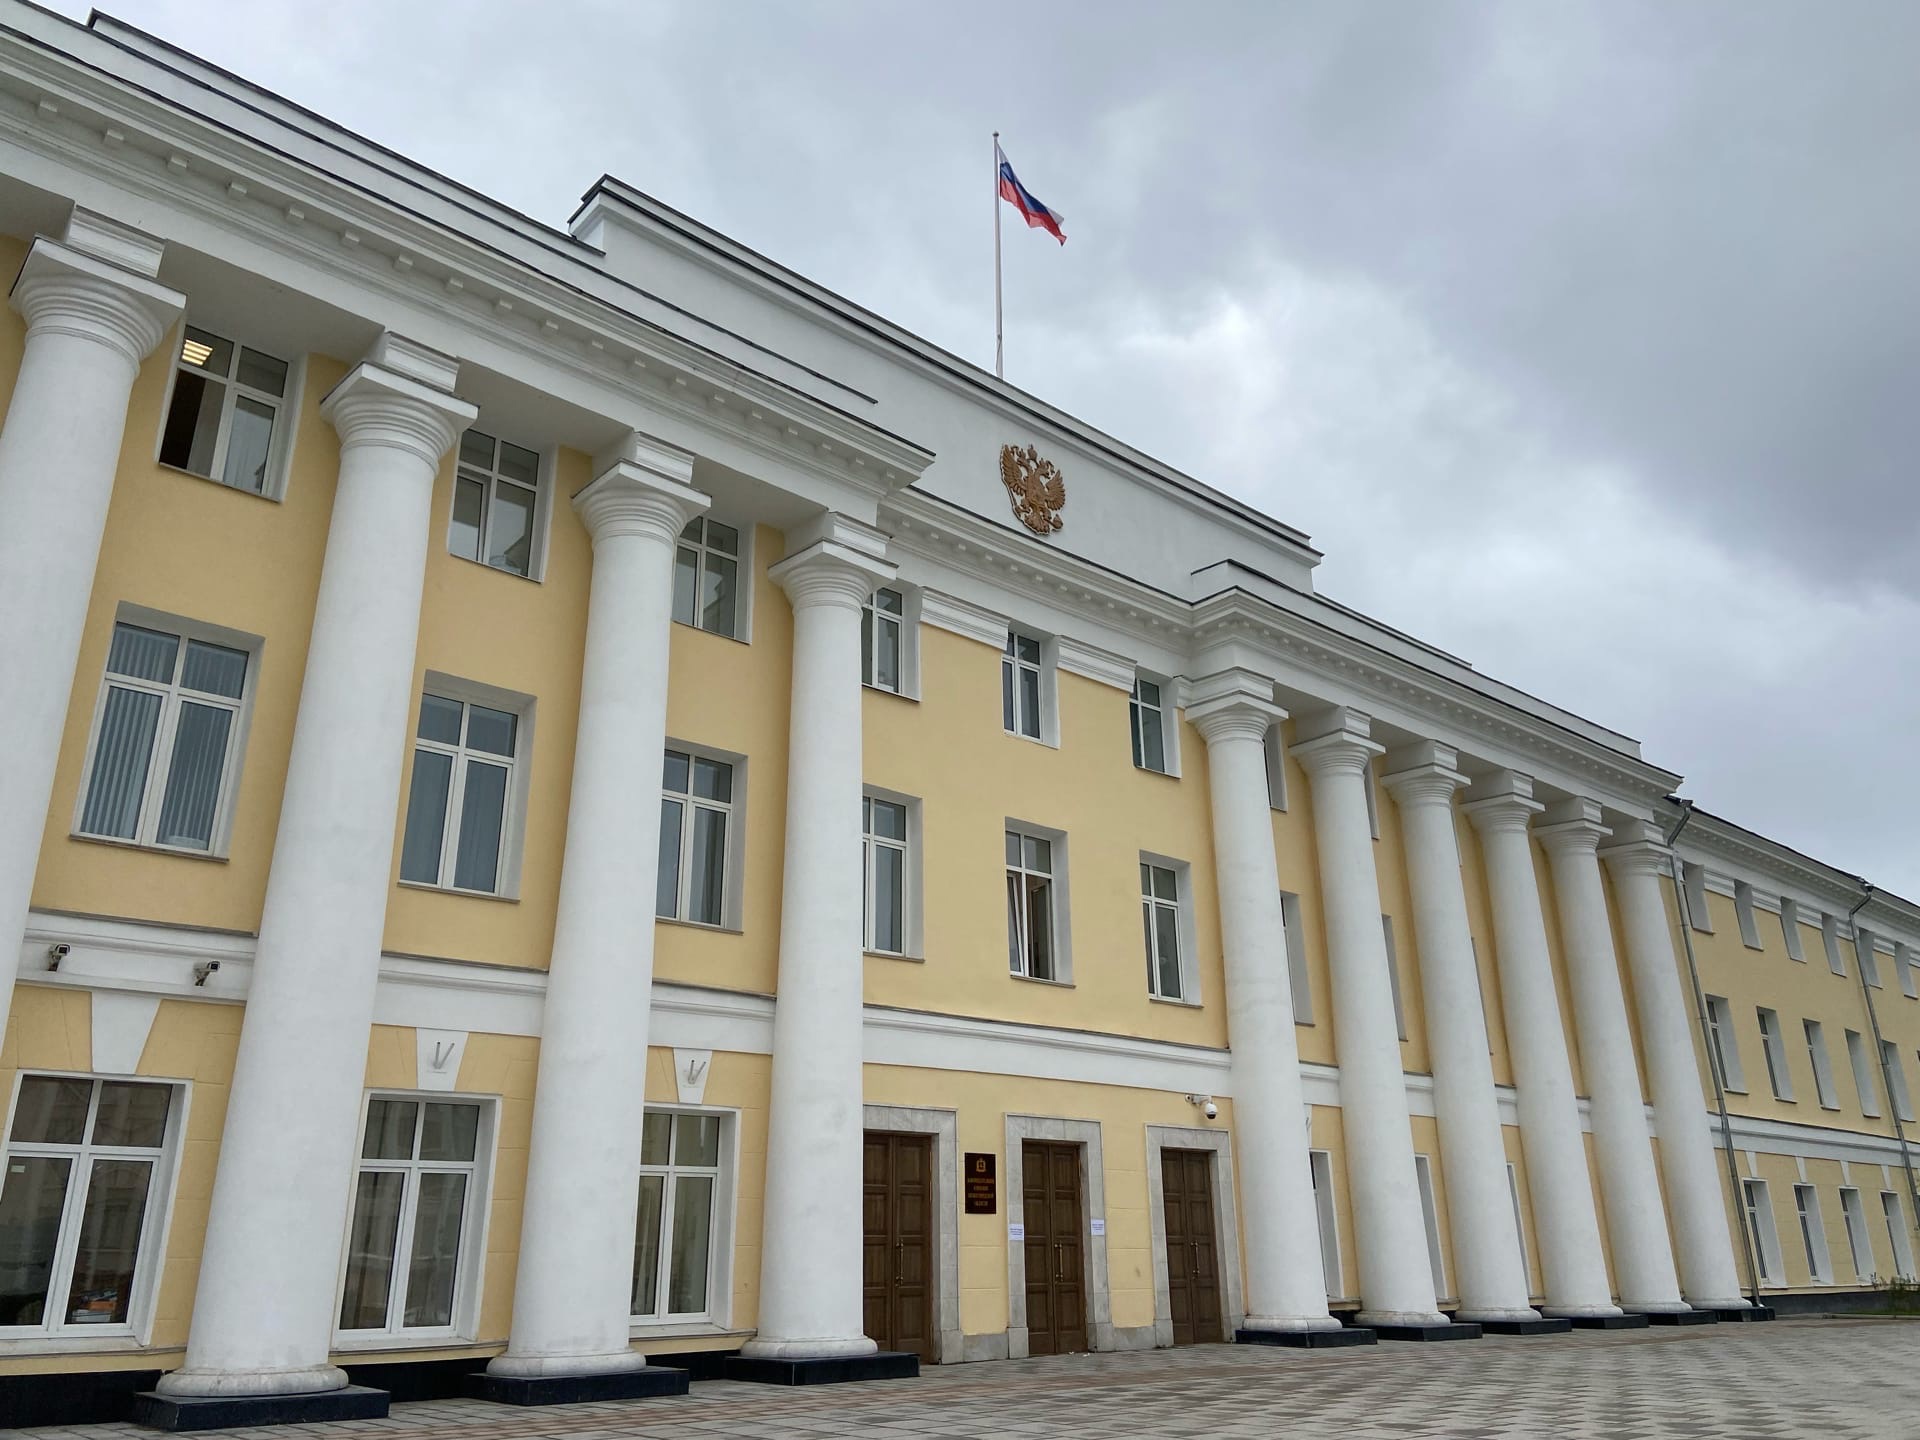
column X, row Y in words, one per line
column 673, row 1244
column 1020, row 685
column 1299, row 982
column 1149, row 726
column 1160, row 915
column 1896, row 1220
column 1030, row 918
column 706, row 577
column 1519, row 1228
column 164, row 751
column 1393, row 976
column 1695, row 877
column 225, row 412
column 1726, row 1052
column 78, row 1205
column 414, row 1199
column 1326, row 1218
column 1790, row 929
column 1766, row 1238
column 1859, row 1242
column 696, row 815
column 1822, row 1065
column 1896, row 1080
column 458, row 809
column 1430, row 1217
column 883, row 640
column 883, row 847
column 495, row 501
column 1743, row 914
column 1774, row 1045
column 1863, row 1085
column 1813, row 1233
column 1830, row 939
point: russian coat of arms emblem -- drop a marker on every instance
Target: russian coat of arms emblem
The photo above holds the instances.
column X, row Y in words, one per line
column 1035, row 486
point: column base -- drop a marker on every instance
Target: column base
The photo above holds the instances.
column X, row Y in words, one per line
column 1307, row 1339
column 1445, row 1330
column 224, row 1412
column 1621, row 1321
column 1539, row 1325
column 1747, row 1314
column 1682, row 1317
column 640, row 1384
column 823, row 1369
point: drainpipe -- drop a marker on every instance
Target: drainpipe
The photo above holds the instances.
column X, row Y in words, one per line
column 1880, row 1051
column 1713, row 1055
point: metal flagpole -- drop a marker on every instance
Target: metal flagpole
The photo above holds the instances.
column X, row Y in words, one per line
column 999, row 342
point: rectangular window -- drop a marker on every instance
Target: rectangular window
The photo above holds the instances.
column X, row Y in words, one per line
column 496, row 504
column 1393, row 976
column 1696, row 882
column 1760, row 1225
column 1430, row 1215
column 1790, row 929
column 1854, row 1211
column 1149, row 721
column 1830, row 938
column 1863, row 946
column 1903, row 967
column 1160, row 921
column 80, row 1209
column 1020, row 687
column 696, row 823
column 706, row 577
column 1822, row 1065
column 1726, row 1050
column 1373, row 800
column 883, row 643
column 1297, row 978
column 1813, row 1233
column 1896, row 1080
column 676, row 1243
column 224, row 418
column 1325, row 1213
column 1863, row 1085
column 1773, row 1044
column 1896, row 1220
column 1030, row 906
column 462, row 801
column 883, row 848
column 166, row 740
column 1275, row 750
column 1743, row 912
column 416, row 1196
column 1519, row 1226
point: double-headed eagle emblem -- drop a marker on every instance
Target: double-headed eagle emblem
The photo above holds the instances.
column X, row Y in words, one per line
column 1036, row 488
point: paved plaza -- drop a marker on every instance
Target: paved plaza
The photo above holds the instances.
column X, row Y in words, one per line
column 1834, row 1379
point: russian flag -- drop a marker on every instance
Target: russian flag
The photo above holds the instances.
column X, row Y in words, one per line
column 1038, row 216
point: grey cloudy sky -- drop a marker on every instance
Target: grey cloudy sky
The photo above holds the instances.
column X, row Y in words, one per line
column 1584, row 338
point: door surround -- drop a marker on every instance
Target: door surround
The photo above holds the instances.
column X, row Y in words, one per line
column 944, row 1127
column 1093, row 1190
column 1226, row 1227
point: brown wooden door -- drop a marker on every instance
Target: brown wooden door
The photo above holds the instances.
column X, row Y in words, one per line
column 898, row 1260
column 1193, row 1262
column 1056, row 1273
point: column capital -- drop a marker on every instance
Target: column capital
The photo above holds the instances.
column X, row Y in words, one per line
column 837, row 560
column 648, row 494
column 1423, row 773
column 397, row 397
column 1501, row 802
column 1233, row 704
column 1637, row 857
column 1572, row 827
column 1341, row 744
column 65, row 290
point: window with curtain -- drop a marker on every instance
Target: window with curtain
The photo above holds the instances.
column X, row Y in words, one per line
column 677, row 1229
column 460, row 806
column 706, row 577
column 79, row 1207
column 883, row 640
column 225, row 415
column 1149, row 726
column 696, row 818
column 883, row 849
column 1160, row 918
column 1030, row 927
column 415, row 1194
column 165, row 746
column 496, row 501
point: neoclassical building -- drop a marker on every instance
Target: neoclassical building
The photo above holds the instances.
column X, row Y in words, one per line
column 579, row 812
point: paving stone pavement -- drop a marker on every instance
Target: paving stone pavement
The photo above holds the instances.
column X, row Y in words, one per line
column 1851, row 1379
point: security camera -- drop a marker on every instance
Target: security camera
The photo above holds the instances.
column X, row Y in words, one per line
column 203, row 970
column 57, row 953
column 1210, row 1110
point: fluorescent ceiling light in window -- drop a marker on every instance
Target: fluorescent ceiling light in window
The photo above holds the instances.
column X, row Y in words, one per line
column 194, row 352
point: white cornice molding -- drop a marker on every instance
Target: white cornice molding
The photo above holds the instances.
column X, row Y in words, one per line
column 1080, row 658
column 961, row 617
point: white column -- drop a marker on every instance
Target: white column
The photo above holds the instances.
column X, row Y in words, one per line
column 1396, row 1275
column 1636, row 1218
column 811, row 1237
column 1575, row 1271
column 1488, row 1273
column 263, row 1316
column 1279, row 1229
column 93, row 312
column 1695, row 1201
column 573, row 1296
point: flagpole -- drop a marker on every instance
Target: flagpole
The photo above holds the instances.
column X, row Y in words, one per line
column 999, row 341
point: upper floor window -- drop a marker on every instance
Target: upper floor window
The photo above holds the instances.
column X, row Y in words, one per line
column 1822, row 1064
column 416, row 1195
column 1162, row 923
column 460, row 811
column 696, row 818
column 224, row 419
column 1790, row 929
column 1031, row 951
column 883, row 847
column 496, row 503
column 677, row 1249
column 1695, row 879
column 1743, row 913
column 883, row 641
column 1773, row 1046
column 1020, row 685
column 706, row 577
column 166, row 740
column 1149, row 719
column 80, row 1206
column 1726, row 1049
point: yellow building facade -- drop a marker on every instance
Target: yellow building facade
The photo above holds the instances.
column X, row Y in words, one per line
column 581, row 812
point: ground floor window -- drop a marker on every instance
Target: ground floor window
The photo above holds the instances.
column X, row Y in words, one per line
column 679, row 1232
column 1766, row 1238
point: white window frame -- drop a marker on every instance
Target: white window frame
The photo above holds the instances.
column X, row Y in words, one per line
column 872, row 618
column 1822, row 1064
column 1853, row 1211
column 1182, row 906
column 1299, row 977
column 1903, row 966
column 151, row 1259
column 1274, row 749
column 731, row 889
column 518, row 767
column 1726, row 1045
column 1895, row 1074
column 911, row 938
column 744, row 574
column 1165, row 715
column 1695, row 876
column 1773, row 1047
column 720, row 1232
column 1863, row 1086
column 1756, row 1203
column 1326, row 1211
column 470, row 1268
column 1057, row 895
column 1372, row 789
column 1813, row 1233
column 1046, row 724
column 1790, row 929
column 1743, row 913
column 1393, row 976
column 160, row 759
column 1830, row 938
column 1430, row 1218
column 1863, row 947
column 1895, row 1216
column 286, row 417
column 490, row 479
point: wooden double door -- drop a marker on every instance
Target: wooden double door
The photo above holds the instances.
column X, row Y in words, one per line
column 1053, row 1214
column 1193, row 1259
column 897, row 1202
